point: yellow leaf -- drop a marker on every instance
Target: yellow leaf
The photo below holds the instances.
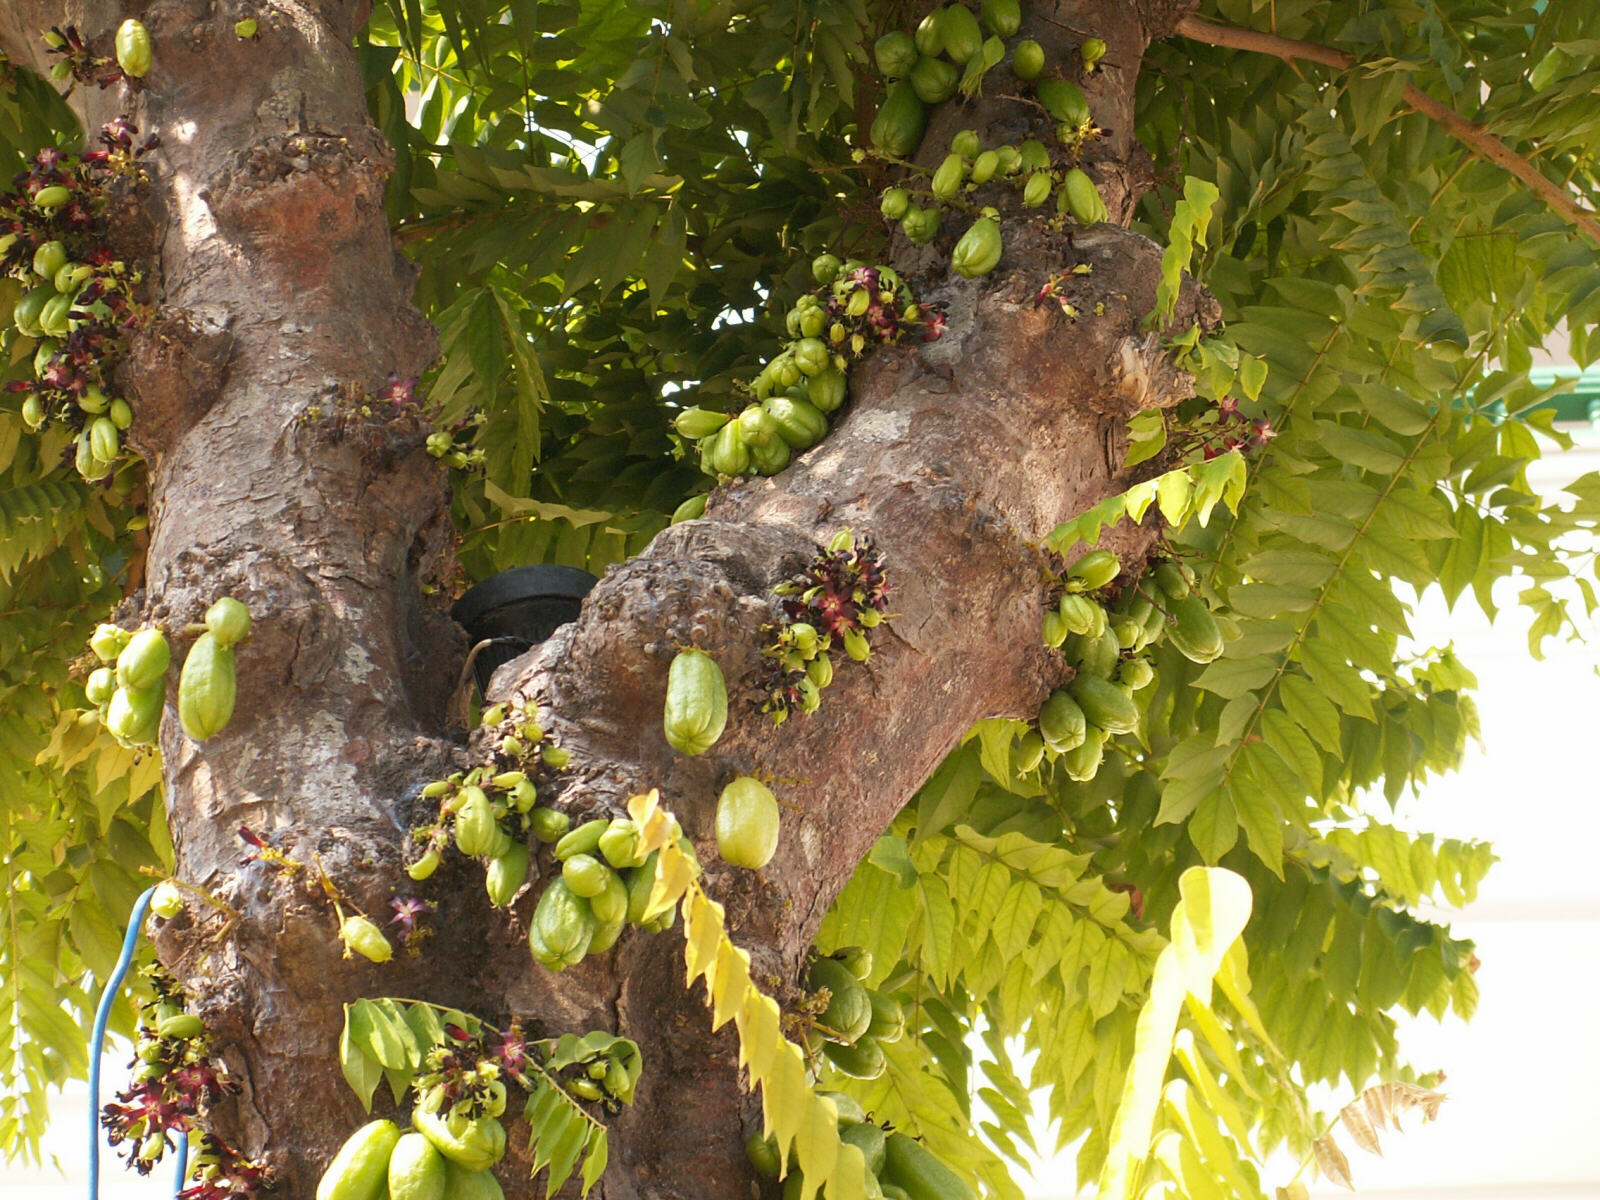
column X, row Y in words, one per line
column 732, row 983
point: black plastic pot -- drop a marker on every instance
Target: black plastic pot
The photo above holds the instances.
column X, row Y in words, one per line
column 518, row 609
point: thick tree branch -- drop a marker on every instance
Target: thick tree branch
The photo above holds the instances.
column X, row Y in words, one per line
column 1473, row 136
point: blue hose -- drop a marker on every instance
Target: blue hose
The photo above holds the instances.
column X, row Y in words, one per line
column 102, row 1015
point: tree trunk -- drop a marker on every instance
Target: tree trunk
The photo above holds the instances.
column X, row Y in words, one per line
column 282, row 303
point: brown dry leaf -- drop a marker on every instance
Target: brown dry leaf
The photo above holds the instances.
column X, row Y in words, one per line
column 1360, row 1128
column 1385, row 1102
column 1332, row 1162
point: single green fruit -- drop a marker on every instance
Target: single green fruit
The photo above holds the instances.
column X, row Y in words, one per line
column 856, row 959
column 1194, row 630
column 696, row 709
column 121, row 413
column 934, row 80
column 1037, row 190
column 985, row 166
column 1061, row 722
column 610, row 906
column 978, row 251
column 862, row 1060
column 25, row 313
column 144, row 660
column 910, row 1165
column 763, row 1155
column 586, row 875
column 103, row 441
column 725, row 452
column 55, row 318
column 506, row 874
column 901, row 120
column 621, row 843
column 549, row 824
column 847, row 1107
column 417, row 1171
column 1136, row 674
column 825, row 268
column 48, row 260
column 747, row 823
column 134, row 54
column 102, row 682
column 827, row 390
column 585, row 839
column 51, row 198
column 1095, row 569
column 1030, row 749
column 565, row 922
column 1082, row 762
column 475, row 823
column 1172, row 581
column 1105, row 704
column 32, row 411
column 228, row 620
column 1064, row 100
column 1083, row 198
column 894, row 204
column 947, row 180
column 207, row 688
column 366, row 939
column 167, row 901
column 108, row 641
column 1002, row 17
column 699, row 422
column 959, row 31
column 867, row 1138
column 640, row 882
column 929, row 37
column 691, row 509
column 360, row 1170
column 1091, row 52
column 800, row 423
column 895, row 54
column 888, row 1022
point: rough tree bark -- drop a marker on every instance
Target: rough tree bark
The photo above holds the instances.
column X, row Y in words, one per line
column 280, row 292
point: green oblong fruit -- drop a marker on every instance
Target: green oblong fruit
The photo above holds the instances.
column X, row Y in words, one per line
column 800, row 423
column 895, row 54
column 228, row 620
column 207, row 688
column 639, row 885
column 1061, row 722
column 827, row 390
column 771, row 458
column 934, row 80
column 1105, row 704
column 847, row 1107
column 610, row 907
column 691, row 509
column 1194, row 630
column 585, row 839
column 1083, row 198
column 908, row 1164
column 747, row 823
column 849, row 1011
column 475, row 1143
column 360, row 1169
column 947, row 179
column 143, row 662
column 929, row 37
column 725, row 451
column 565, row 922
column 901, row 120
column 475, row 823
column 1095, row 654
column 862, row 1060
column 1172, row 580
column 1095, row 569
column 984, row 166
column 134, row 714
column 763, row 1155
column 1064, row 100
column 586, row 875
column 888, row 1022
column 25, row 313
column 472, row 1185
column 1002, row 17
column 696, row 709
column 867, row 1138
column 100, row 686
column 1029, row 751
column 48, row 260
column 103, row 441
column 620, row 843
column 958, row 29
column 51, row 198
column 1037, row 190
column 1082, row 763
column 893, row 206
column 699, row 422
column 133, row 48
column 506, row 874
column 417, row 1171
column 978, row 251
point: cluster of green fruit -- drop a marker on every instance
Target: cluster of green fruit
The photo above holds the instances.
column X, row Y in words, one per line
column 851, row 1027
column 855, row 307
column 130, row 690
column 918, row 76
column 429, row 1162
column 74, row 301
column 1106, row 646
column 848, row 1031
column 841, row 595
column 174, row 1079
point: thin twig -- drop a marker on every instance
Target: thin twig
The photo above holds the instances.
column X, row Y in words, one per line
column 1473, row 136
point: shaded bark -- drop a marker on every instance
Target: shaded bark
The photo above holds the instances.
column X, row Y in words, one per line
column 281, row 296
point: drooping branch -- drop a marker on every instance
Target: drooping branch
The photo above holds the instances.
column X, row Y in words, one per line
column 1474, row 137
